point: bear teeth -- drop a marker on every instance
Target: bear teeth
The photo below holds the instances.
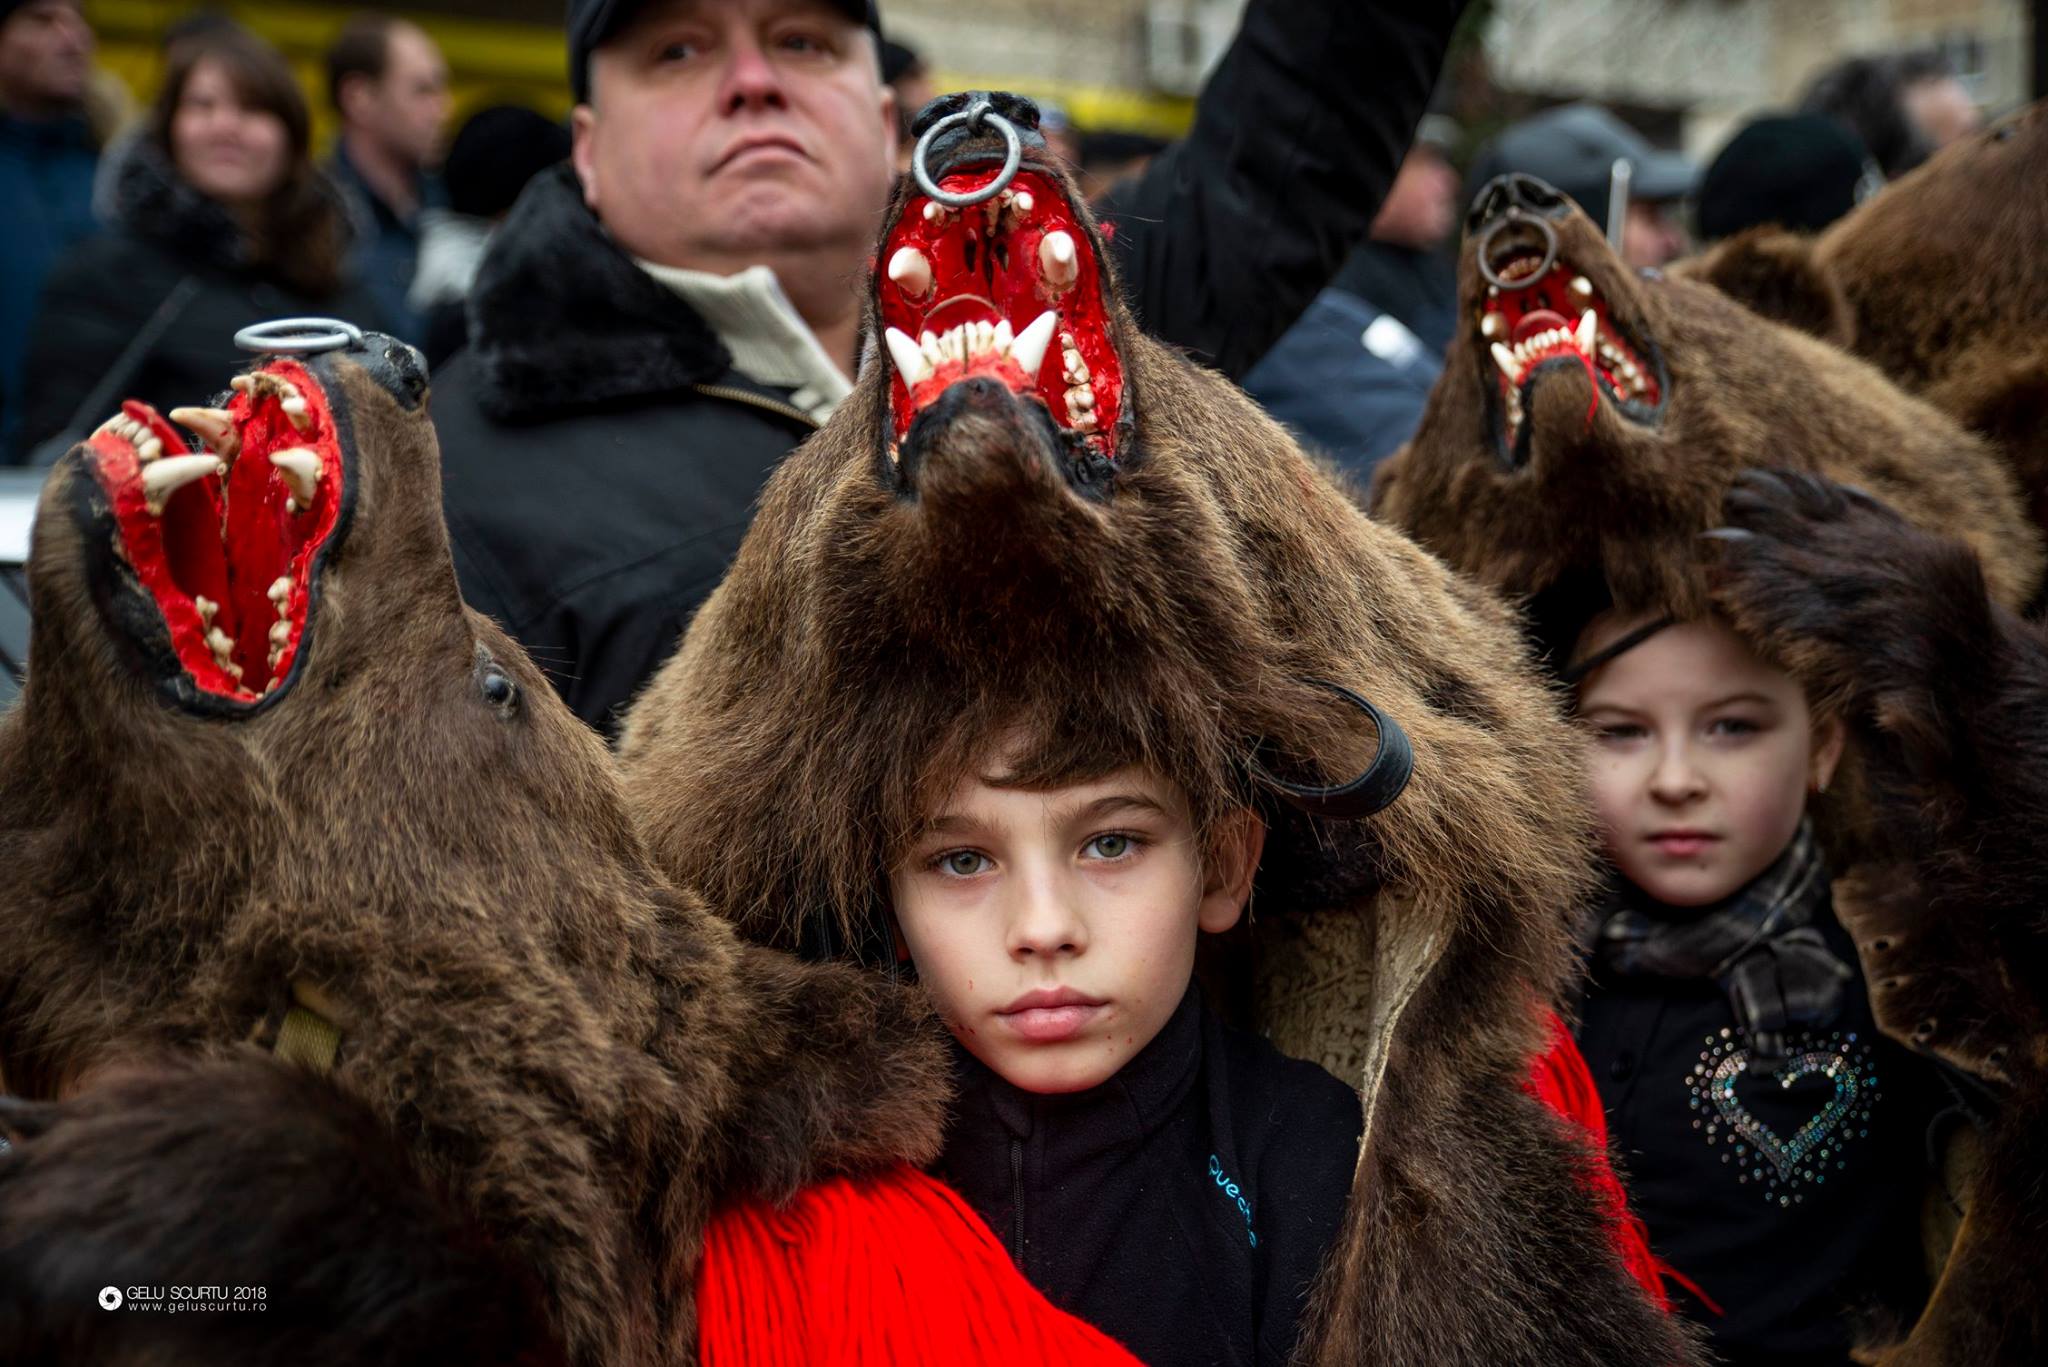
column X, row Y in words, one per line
column 964, row 343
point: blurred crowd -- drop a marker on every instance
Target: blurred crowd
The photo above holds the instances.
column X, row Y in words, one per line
column 137, row 241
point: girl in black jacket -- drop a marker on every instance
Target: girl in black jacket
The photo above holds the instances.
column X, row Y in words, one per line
column 220, row 220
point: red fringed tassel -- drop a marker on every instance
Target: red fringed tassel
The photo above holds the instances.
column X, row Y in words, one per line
column 1561, row 1081
column 891, row 1270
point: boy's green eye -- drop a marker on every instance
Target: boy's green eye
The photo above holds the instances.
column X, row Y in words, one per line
column 1110, row 846
column 962, row 863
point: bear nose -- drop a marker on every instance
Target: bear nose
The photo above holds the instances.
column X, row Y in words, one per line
column 1513, row 191
column 396, row 366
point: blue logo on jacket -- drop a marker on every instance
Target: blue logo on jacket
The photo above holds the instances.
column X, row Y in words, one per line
column 1230, row 1189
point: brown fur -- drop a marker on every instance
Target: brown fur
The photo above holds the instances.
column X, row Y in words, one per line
column 882, row 626
column 1948, row 697
column 257, row 1178
column 1623, row 502
column 1941, row 273
column 583, row 1056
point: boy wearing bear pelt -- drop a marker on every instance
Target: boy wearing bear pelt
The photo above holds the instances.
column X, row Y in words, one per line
column 1036, row 551
column 1171, row 1180
column 1774, row 1140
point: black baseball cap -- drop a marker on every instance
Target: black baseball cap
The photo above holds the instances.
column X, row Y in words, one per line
column 593, row 23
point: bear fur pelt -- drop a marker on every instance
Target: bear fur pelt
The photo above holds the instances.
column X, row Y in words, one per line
column 266, row 761
column 1546, row 461
column 261, row 1179
column 1895, row 630
column 1939, row 285
column 1036, row 525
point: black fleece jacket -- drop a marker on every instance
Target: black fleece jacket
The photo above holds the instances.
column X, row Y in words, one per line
column 601, row 456
column 1183, row 1206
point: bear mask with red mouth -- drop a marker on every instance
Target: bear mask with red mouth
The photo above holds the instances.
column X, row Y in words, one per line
column 1011, row 288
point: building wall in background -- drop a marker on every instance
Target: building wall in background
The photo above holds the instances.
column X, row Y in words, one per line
column 1714, row 62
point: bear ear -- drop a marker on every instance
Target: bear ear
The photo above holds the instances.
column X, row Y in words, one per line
column 2004, row 399
column 1779, row 275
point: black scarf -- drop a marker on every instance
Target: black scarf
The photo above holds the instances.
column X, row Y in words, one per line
column 1760, row 945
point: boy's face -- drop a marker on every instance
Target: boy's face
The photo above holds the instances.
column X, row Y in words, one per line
column 1056, row 929
column 1702, row 756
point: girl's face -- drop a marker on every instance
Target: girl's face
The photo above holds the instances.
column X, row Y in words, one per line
column 1702, row 756
column 223, row 148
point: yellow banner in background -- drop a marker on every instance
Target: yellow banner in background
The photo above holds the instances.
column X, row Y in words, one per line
column 493, row 61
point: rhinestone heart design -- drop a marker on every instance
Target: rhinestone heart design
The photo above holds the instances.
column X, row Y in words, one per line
column 1783, row 1167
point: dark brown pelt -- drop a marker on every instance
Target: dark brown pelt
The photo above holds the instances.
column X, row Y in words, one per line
column 1623, row 502
column 244, row 1174
column 1946, row 694
column 580, row 1054
column 870, row 645
column 1941, row 275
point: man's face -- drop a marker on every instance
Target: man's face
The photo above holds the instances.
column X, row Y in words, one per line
column 1650, row 234
column 407, row 111
column 1422, row 207
column 1056, row 930
column 725, row 133
column 45, row 57
column 1943, row 110
column 1702, row 755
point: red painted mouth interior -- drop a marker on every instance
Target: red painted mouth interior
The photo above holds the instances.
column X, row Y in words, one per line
column 1523, row 328
column 228, row 561
column 1008, row 288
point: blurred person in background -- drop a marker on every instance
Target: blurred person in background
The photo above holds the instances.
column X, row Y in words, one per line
column 1903, row 106
column 389, row 84
column 1796, row 171
column 1107, row 155
column 905, row 73
column 1352, row 376
column 1575, row 148
column 489, row 162
column 220, row 219
column 1062, row 139
column 47, row 155
column 656, row 326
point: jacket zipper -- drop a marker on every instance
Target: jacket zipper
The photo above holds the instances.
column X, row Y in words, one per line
column 752, row 400
column 1017, row 1202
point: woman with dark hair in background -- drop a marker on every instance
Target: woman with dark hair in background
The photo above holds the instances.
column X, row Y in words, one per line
column 220, row 220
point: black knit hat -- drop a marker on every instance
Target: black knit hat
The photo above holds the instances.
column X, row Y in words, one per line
column 592, row 23
column 498, row 150
column 1799, row 171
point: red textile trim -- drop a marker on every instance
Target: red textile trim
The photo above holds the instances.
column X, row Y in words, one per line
column 1560, row 1080
column 888, row 1269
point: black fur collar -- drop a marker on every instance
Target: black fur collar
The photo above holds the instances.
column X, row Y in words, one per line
column 560, row 319
column 148, row 198
column 152, row 201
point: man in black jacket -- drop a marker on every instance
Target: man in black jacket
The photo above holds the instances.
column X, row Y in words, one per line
column 658, row 324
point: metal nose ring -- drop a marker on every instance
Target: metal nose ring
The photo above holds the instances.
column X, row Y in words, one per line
column 981, row 111
column 299, row 337
column 1512, row 218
